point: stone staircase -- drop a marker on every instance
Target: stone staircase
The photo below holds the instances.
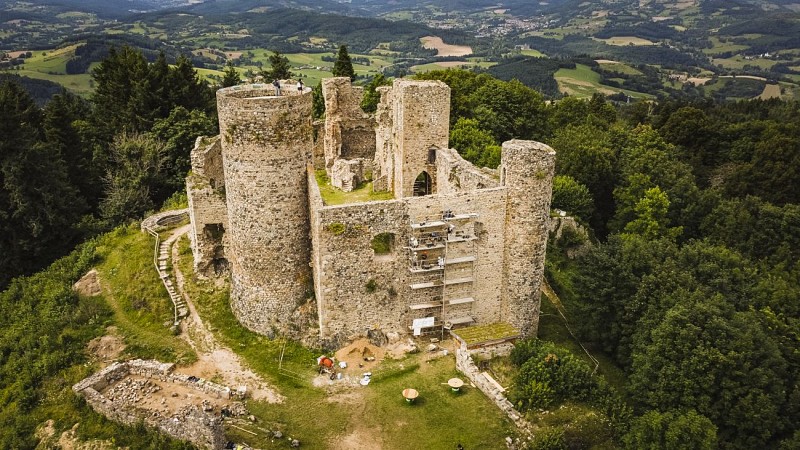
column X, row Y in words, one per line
column 164, row 272
column 163, row 256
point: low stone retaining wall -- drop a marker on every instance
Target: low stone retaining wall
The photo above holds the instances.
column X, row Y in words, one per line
column 162, row 220
column 190, row 423
column 466, row 365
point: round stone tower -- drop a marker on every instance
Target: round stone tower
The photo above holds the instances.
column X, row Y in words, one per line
column 526, row 169
column 266, row 145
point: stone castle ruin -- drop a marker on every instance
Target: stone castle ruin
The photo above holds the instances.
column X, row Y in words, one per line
column 453, row 245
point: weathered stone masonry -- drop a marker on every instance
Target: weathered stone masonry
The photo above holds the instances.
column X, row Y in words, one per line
column 490, row 225
column 266, row 146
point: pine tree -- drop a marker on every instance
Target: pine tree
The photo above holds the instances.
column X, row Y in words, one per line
column 186, row 88
column 343, row 67
column 231, row 77
column 120, row 81
column 280, row 68
column 369, row 103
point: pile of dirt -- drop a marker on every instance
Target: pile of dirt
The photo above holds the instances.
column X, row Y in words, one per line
column 88, row 285
column 361, row 355
column 107, row 349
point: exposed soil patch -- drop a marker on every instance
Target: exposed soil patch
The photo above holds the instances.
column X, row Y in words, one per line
column 360, row 439
column 697, row 81
column 108, row 348
column 215, row 361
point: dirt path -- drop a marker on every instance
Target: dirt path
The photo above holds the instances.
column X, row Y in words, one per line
column 215, row 361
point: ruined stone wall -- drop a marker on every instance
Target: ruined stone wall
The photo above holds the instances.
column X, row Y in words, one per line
column 206, row 159
column 190, row 423
column 526, row 170
column 318, row 153
column 358, row 290
column 466, row 365
column 346, row 267
column 383, row 170
column 489, row 228
column 421, row 120
column 455, row 174
column 266, row 146
column 315, row 203
column 349, row 132
column 205, row 190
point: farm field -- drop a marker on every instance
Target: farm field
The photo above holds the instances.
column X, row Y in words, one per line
column 625, row 40
column 614, row 66
column 738, row 62
column 722, row 47
column 582, row 82
column 534, row 53
column 50, row 65
column 443, row 49
column 770, row 91
column 450, row 64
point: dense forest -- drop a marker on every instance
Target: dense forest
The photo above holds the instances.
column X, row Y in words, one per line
column 73, row 168
column 691, row 284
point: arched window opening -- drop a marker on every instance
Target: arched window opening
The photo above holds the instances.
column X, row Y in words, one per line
column 422, row 185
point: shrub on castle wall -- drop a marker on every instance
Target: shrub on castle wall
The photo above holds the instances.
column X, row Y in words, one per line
column 335, row 228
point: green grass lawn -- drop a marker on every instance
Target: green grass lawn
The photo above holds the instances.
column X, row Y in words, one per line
column 722, row 47
column 51, row 60
column 51, row 64
column 625, row 40
column 334, row 196
column 620, row 67
column 78, row 84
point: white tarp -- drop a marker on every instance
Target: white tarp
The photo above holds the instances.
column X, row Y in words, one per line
column 418, row 324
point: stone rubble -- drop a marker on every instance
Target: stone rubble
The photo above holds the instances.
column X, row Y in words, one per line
column 120, row 395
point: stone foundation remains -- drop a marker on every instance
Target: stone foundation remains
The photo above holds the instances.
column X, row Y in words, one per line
column 129, row 392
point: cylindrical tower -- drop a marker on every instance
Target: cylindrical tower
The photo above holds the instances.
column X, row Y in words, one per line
column 526, row 170
column 266, row 144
